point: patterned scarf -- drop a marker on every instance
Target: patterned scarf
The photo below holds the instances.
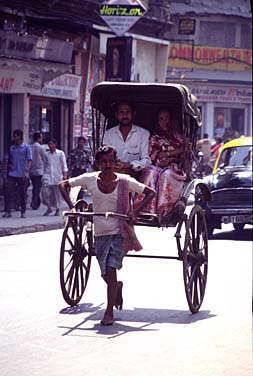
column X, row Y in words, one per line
column 130, row 241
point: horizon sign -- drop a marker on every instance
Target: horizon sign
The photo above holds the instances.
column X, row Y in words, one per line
column 121, row 15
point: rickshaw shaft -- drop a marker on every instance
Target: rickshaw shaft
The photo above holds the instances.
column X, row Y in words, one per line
column 155, row 257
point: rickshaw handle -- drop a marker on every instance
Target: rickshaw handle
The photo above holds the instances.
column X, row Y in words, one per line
column 96, row 214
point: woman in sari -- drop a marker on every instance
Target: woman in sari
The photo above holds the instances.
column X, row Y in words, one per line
column 165, row 175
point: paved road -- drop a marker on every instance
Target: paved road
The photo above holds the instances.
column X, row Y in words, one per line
column 154, row 335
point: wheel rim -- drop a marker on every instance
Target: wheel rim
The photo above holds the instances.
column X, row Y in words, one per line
column 75, row 257
column 180, row 238
column 195, row 259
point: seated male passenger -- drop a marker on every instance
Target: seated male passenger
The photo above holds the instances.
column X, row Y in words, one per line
column 130, row 141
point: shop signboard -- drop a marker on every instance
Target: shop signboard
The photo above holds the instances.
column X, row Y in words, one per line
column 183, row 55
column 121, row 15
column 12, row 82
column 222, row 94
column 187, row 26
column 65, row 86
column 35, row 48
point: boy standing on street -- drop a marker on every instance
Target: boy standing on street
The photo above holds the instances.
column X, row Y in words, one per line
column 113, row 237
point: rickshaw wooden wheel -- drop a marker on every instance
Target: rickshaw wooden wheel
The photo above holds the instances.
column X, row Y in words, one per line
column 75, row 256
column 195, row 258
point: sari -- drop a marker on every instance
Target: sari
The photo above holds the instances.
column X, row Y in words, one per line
column 168, row 181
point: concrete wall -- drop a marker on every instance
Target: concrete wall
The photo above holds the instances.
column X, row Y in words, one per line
column 150, row 62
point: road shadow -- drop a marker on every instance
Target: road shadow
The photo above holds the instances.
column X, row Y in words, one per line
column 126, row 321
column 244, row 235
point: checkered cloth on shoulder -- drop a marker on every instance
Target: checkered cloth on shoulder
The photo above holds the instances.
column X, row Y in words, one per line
column 130, row 241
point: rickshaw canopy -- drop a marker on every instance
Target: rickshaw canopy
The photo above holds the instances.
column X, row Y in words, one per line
column 147, row 98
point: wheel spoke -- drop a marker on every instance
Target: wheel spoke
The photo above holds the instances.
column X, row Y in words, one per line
column 70, row 261
column 76, row 283
column 70, row 242
column 201, row 280
column 69, row 278
column 195, row 290
column 192, row 276
column 76, row 240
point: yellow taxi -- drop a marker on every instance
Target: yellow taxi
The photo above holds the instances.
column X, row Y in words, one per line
column 231, row 186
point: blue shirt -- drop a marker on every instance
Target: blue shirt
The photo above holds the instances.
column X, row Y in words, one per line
column 19, row 157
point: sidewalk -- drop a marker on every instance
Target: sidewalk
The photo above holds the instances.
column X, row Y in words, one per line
column 34, row 221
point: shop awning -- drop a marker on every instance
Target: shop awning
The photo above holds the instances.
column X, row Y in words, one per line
column 46, row 70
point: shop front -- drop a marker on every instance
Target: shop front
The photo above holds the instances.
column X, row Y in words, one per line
column 51, row 113
column 226, row 110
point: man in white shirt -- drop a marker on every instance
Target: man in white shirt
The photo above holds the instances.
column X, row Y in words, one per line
column 130, row 141
column 55, row 170
column 37, row 169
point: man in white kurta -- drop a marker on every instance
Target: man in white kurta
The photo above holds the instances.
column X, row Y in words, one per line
column 55, row 170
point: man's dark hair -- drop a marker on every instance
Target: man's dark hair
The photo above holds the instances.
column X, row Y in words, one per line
column 105, row 149
column 81, row 138
column 53, row 140
column 18, row 132
column 205, row 135
column 218, row 139
column 116, row 105
column 36, row 136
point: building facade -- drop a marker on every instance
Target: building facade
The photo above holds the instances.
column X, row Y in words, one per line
column 51, row 56
column 211, row 52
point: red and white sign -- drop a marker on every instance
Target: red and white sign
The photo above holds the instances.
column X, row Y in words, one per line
column 20, row 82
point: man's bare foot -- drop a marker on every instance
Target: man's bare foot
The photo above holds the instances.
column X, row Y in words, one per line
column 107, row 320
column 119, row 298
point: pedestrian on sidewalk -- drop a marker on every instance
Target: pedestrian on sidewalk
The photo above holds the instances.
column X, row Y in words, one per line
column 37, row 169
column 113, row 237
column 79, row 161
column 55, row 170
column 20, row 159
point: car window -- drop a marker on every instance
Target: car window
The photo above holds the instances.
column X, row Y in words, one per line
column 236, row 156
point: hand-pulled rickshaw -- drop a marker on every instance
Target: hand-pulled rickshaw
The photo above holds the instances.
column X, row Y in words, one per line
column 77, row 246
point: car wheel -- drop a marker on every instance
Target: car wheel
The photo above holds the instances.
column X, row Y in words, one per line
column 238, row 226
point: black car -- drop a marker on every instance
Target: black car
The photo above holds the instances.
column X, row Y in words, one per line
column 231, row 186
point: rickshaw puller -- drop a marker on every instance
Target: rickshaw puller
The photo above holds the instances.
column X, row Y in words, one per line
column 113, row 237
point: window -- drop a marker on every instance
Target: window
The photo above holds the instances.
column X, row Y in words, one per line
column 246, row 37
column 40, row 119
column 236, row 156
column 217, row 34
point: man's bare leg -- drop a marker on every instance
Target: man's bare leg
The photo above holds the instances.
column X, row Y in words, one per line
column 112, row 289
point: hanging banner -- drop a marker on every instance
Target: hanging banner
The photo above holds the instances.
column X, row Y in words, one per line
column 121, row 15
